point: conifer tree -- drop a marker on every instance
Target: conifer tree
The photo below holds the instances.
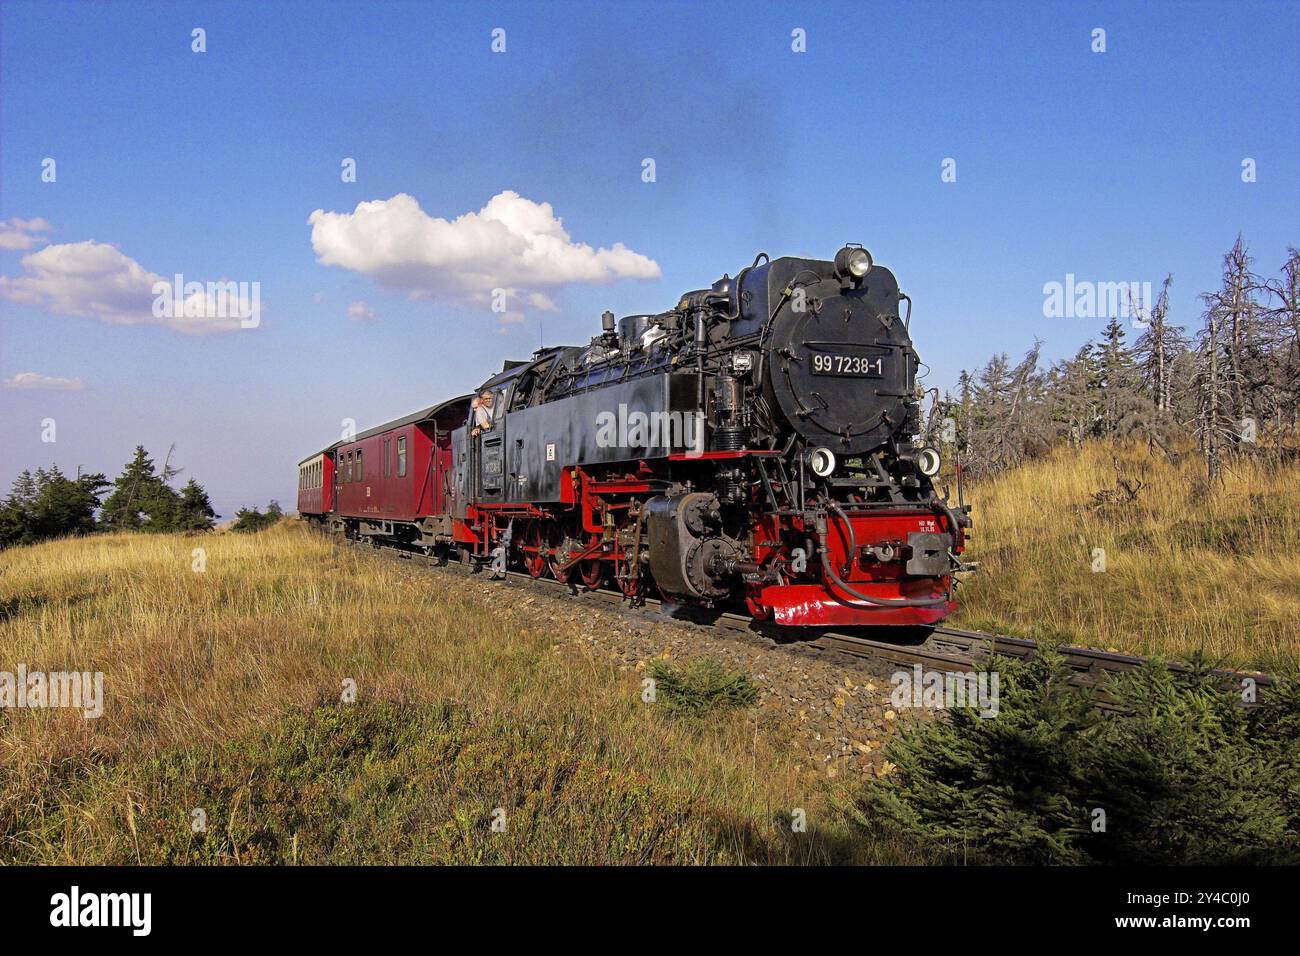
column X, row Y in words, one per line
column 195, row 510
column 1121, row 403
column 141, row 497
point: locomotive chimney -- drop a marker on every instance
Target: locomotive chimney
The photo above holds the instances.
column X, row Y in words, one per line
column 607, row 322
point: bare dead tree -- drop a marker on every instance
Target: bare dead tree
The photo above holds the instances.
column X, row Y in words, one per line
column 1156, row 349
column 1124, row 492
column 1282, row 318
column 1239, row 371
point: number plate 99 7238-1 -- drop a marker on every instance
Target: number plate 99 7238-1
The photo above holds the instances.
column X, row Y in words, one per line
column 863, row 366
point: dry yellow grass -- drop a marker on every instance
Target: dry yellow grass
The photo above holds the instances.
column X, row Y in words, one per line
column 272, row 627
column 1186, row 570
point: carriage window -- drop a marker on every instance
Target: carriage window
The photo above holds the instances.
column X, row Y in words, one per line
column 361, row 475
column 388, row 458
column 348, row 475
column 401, row 457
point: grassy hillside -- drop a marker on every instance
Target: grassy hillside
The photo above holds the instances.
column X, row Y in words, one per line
column 222, row 692
column 223, row 687
column 1186, row 570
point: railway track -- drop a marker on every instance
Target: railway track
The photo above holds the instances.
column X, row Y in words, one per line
column 943, row 648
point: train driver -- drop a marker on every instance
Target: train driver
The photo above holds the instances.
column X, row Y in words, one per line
column 484, row 413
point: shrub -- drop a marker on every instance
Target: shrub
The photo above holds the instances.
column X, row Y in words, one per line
column 701, row 686
column 251, row 519
column 1183, row 773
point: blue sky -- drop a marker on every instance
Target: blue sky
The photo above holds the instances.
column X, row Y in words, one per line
column 1114, row 166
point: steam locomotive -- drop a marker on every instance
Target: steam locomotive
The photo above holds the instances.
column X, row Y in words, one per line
column 755, row 443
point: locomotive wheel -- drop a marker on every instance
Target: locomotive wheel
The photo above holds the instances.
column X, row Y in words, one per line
column 593, row 572
column 534, row 549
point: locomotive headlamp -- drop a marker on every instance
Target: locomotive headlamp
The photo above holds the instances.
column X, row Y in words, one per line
column 928, row 462
column 853, row 261
column 821, row 461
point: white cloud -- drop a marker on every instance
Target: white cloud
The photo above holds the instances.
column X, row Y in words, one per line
column 511, row 248
column 94, row 280
column 360, row 312
column 539, row 301
column 22, row 233
column 49, row 383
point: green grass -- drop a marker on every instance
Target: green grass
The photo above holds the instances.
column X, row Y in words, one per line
column 393, row 784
